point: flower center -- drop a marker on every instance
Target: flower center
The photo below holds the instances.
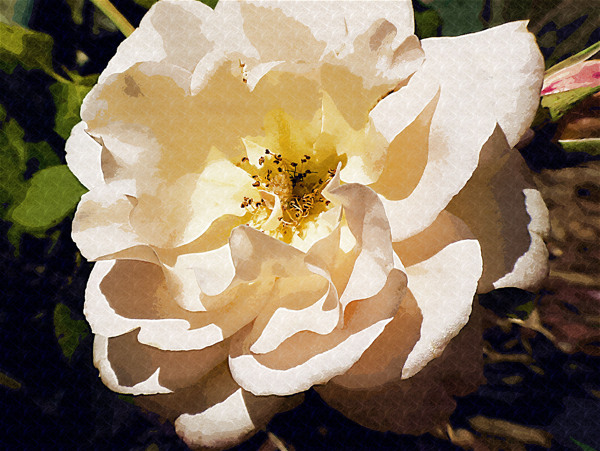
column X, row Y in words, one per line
column 291, row 193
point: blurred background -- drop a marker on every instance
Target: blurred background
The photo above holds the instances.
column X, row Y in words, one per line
column 542, row 350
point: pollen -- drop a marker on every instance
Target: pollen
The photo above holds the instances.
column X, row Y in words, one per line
column 297, row 184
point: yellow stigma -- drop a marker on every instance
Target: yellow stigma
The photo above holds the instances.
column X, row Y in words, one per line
column 290, row 165
column 297, row 185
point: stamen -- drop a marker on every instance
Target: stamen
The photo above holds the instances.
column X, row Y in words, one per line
column 298, row 189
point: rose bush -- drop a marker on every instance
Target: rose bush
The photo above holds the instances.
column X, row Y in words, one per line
column 286, row 195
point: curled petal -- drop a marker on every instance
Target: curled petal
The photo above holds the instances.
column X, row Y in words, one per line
column 502, row 87
column 83, row 157
column 101, row 225
column 509, row 219
column 128, row 366
column 423, row 402
column 306, row 358
column 216, row 413
column 532, row 266
column 444, row 286
column 162, row 327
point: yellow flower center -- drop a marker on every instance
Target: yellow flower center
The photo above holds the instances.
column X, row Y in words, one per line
column 291, row 190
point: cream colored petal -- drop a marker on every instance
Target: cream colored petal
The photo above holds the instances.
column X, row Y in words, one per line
column 532, row 266
column 196, row 275
column 324, row 27
column 384, row 359
column 218, row 191
column 171, row 333
column 422, row 403
column 215, row 413
column 286, row 322
column 261, row 380
column 382, row 362
column 507, row 223
column 368, row 223
column 446, row 229
column 225, row 423
column 151, row 385
column 370, row 287
column 255, row 255
column 500, row 71
column 164, row 35
column 444, row 286
column 487, row 78
column 130, row 366
column 307, row 358
column 83, row 157
column 101, row 224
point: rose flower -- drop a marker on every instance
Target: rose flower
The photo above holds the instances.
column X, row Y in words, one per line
column 286, row 195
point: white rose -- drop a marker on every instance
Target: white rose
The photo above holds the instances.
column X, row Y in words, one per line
column 234, row 269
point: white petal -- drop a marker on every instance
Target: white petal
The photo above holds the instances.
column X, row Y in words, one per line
column 226, row 423
column 101, row 224
column 83, row 157
column 286, row 322
column 486, row 78
column 497, row 213
column 147, row 387
column 368, row 223
column 168, row 334
column 261, row 380
column 155, row 39
column 444, row 287
column 532, row 266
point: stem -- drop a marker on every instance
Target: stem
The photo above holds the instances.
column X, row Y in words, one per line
column 57, row 77
column 115, row 16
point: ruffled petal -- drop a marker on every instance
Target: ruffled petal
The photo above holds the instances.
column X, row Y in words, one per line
column 101, row 225
column 509, row 219
column 216, row 413
column 385, row 358
column 114, row 307
column 486, row 78
column 444, row 286
column 128, row 366
column 363, row 290
column 124, row 295
column 423, row 402
column 156, row 41
column 83, row 157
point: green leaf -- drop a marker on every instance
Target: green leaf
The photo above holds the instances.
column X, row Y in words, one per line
column 68, row 331
column 563, row 26
column 52, row 195
column 587, row 145
column 129, row 399
column 20, row 46
column 459, row 16
column 583, row 446
column 584, row 55
column 526, row 308
column 427, row 24
column 14, row 155
column 43, row 153
column 68, row 97
column 13, row 163
column 211, row 3
column 503, row 11
column 560, row 103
